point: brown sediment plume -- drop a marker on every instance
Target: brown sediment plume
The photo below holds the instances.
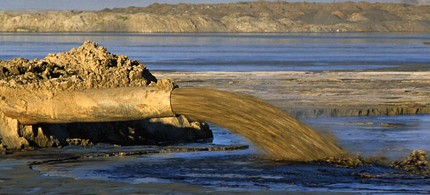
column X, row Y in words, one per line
column 269, row 127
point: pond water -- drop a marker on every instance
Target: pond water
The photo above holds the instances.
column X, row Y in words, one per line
column 393, row 137
column 238, row 52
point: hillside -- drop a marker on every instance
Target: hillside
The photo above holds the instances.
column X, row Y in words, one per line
column 244, row 17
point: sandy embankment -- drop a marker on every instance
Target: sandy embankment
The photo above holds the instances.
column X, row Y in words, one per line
column 243, row 17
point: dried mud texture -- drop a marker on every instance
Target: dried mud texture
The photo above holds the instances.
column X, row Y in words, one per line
column 417, row 162
column 269, row 127
column 89, row 67
column 244, row 17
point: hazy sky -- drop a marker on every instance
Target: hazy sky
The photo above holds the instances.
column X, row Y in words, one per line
column 101, row 4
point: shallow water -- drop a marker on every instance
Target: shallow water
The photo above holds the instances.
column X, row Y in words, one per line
column 389, row 136
column 238, row 171
column 233, row 171
column 238, row 52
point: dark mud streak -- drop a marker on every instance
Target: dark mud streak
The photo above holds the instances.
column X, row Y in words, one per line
column 138, row 152
column 269, row 127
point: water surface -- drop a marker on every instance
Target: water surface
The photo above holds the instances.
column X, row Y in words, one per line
column 238, row 52
column 238, row 171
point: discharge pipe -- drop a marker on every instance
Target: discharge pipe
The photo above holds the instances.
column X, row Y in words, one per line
column 95, row 105
column 276, row 132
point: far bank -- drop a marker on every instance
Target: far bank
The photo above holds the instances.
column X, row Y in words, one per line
column 244, row 17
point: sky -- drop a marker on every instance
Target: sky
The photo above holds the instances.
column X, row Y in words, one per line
column 101, row 4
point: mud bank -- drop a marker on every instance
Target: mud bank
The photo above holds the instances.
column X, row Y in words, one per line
column 323, row 94
column 244, row 17
column 225, row 172
column 86, row 67
column 18, row 176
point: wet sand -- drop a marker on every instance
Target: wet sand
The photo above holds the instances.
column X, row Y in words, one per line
column 17, row 176
column 20, row 173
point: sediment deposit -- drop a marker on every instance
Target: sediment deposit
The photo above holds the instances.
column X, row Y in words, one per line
column 417, row 162
column 245, row 17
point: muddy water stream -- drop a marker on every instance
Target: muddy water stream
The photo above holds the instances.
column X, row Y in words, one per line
column 267, row 126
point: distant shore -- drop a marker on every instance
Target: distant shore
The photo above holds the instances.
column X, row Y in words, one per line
column 245, row 17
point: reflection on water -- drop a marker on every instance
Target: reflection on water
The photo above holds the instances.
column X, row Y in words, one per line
column 237, row 52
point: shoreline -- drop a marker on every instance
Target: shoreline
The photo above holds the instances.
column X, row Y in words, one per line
column 18, row 175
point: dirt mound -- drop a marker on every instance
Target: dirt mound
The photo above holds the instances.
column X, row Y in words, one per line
column 417, row 162
column 88, row 67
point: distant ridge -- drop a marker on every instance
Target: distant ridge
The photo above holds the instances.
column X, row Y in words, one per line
column 244, row 17
column 27, row 11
